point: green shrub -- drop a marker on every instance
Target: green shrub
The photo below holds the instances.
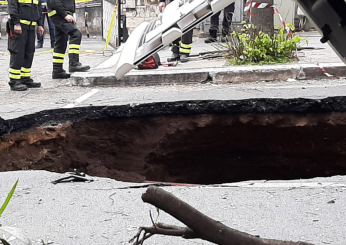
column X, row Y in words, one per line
column 255, row 47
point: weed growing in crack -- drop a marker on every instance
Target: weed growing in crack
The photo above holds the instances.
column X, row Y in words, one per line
column 14, row 233
column 7, row 200
column 254, row 47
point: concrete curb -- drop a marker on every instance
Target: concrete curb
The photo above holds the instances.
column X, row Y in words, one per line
column 140, row 78
column 229, row 74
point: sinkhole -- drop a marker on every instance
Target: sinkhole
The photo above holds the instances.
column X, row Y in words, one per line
column 199, row 144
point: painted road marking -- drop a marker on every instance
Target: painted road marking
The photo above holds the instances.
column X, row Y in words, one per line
column 82, row 98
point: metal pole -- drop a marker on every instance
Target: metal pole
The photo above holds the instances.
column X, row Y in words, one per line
column 119, row 23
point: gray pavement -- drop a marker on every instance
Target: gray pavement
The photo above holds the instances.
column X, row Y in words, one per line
column 100, row 213
column 88, row 213
column 165, row 83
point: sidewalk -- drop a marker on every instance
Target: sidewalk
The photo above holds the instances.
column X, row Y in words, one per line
column 198, row 79
column 198, row 70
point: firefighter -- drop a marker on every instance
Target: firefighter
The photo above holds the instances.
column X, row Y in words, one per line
column 40, row 39
column 24, row 17
column 181, row 48
column 61, row 14
column 226, row 24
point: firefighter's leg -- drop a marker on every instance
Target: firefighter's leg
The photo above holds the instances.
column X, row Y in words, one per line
column 185, row 46
column 51, row 31
column 61, row 39
column 175, row 51
column 40, row 38
column 227, row 21
column 16, row 44
column 73, row 53
column 214, row 26
column 28, row 58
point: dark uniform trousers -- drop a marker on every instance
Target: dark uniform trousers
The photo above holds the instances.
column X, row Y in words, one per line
column 183, row 45
column 226, row 23
column 22, row 49
column 40, row 39
column 64, row 32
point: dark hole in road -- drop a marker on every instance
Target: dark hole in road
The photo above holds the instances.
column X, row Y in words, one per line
column 202, row 149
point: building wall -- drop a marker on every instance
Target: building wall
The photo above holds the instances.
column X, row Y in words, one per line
column 94, row 18
column 287, row 9
column 136, row 11
column 3, row 20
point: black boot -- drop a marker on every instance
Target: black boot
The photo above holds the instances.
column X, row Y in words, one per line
column 59, row 72
column 16, row 85
column 75, row 65
column 30, row 83
column 212, row 38
column 78, row 67
column 39, row 45
column 175, row 54
column 224, row 37
column 184, row 58
column 174, row 57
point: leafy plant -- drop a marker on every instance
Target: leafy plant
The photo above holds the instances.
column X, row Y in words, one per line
column 3, row 207
column 251, row 46
column 9, row 196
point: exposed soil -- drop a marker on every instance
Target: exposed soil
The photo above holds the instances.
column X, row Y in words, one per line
column 208, row 148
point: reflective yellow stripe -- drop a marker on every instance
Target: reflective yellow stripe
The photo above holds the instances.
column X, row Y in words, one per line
column 14, row 76
column 26, row 22
column 58, row 61
column 28, row 1
column 14, row 71
column 26, row 69
column 52, row 13
column 185, row 45
column 186, row 51
column 74, row 46
column 44, row 4
column 27, row 74
column 72, row 51
column 59, row 55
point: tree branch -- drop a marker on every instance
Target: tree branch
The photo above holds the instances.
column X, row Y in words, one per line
column 199, row 225
column 162, row 229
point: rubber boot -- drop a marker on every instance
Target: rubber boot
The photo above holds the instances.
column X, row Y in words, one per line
column 59, row 72
column 212, row 38
column 29, row 82
column 75, row 66
column 184, row 58
column 175, row 54
column 16, row 85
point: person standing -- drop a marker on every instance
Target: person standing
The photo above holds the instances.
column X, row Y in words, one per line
column 40, row 38
column 181, row 48
column 226, row 24
column 61, row 14
column 24, row 16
